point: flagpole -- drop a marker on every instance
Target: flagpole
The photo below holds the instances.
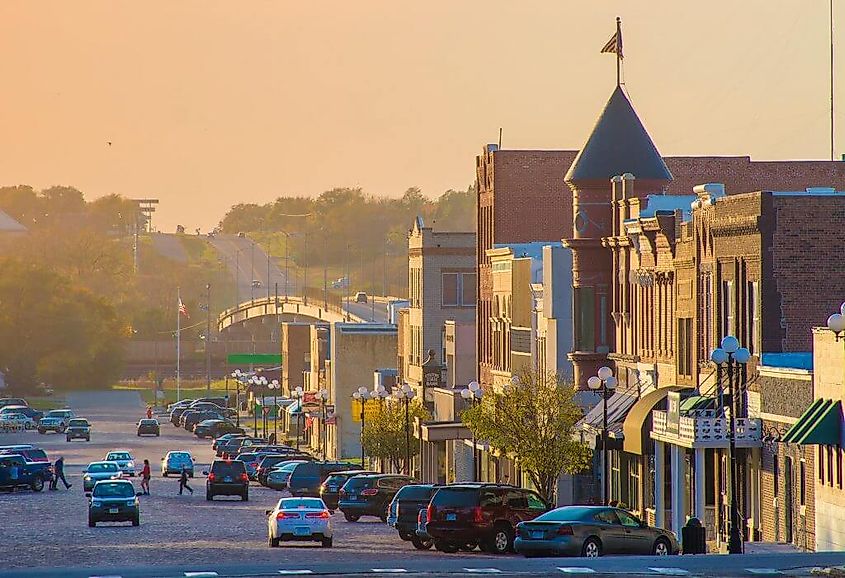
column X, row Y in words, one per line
column 178, row 345
column 618, row 51
column 832, row 134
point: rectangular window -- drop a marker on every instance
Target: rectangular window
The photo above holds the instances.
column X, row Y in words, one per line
column 585, row 311
column 802, row 482
column 727, row 321
column 821, row 464
column 839, row 467
column 830, row 465
column 602, row 319
column 450, row 289
column 685, row 345
column 468, row 289
column 776, row 476
column 753, row 317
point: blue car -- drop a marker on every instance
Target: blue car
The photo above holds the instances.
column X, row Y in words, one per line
column 113, row 501
column 174, row 462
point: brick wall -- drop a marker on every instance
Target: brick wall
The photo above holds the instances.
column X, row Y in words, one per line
column 774, row 513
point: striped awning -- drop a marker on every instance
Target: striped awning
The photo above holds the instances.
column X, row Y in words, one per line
column 820, row 424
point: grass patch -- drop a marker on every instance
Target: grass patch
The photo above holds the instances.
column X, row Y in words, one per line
column 46, row 404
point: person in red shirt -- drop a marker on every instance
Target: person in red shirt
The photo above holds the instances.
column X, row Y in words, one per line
column 146, row 474
column 149, row 412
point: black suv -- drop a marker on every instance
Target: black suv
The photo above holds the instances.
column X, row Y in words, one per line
column 78, row 427
column 305, row 479
column 464, row 515
column 330, row 488
column 267, row 462
column 404, row 510
column 369, row 495
column 227, row 478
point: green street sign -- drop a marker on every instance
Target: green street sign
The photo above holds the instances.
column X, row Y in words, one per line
column 266, row 359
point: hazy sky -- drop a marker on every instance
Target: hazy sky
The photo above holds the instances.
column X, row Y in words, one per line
column 210, row 103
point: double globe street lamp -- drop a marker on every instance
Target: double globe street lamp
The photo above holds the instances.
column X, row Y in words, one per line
column 405, row 394
column 472, row 395
column 362, row 394
column 836, row 322
column 733, row 359
column 275, row 386
column 298, row 394
column 323, row 397
column 606, row 383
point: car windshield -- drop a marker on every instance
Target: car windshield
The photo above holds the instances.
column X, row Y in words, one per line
column 36, row 454
column 360, row 482
column 149, row 422
column 114, row 490
column 118, row 456
column 455, row 497
column 179, row 456
column 78, row 422
column 96, row 468
column 245, row 457
column 58, row 413
column 566, row 514
column 300, row 503
column 414, row 493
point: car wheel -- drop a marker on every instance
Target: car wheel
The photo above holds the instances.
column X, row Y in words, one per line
column 139, row 435
column 190, row 474
column 91, row 523
column 68, row 439
column 351, row 517
column 327, row 542
column 37, row 484
column 245, row 497
column 406, row 536
column 662, row 547
column 157, row 434
column 501, row 541
column 383, row 518
column 136, row 521
column 445, row 547
column 468, row 547
column 209, row 496
column 422, row 543
column 272, row 542
column 163, row 474
column 591, row 548
column 41, row 431
column 88, row 439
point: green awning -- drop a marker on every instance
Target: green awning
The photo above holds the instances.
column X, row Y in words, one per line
column 820, row 424
column 694, row 402
column 263, row 359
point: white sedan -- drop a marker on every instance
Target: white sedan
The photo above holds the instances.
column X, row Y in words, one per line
column 299, row 519
column 16, row 421
column 124, row 461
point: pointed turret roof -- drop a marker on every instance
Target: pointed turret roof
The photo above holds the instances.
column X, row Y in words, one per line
column 618, row 144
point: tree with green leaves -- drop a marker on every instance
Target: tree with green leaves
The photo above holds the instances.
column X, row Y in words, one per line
column 385, row 433
column 532, row 420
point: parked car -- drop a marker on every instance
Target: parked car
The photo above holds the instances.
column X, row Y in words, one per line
column 423, row 540
column 330, row 488
column 98, row 471
column 268, row 462
column 174, row 462
column 149, row 427
column 277, row 478
column 78, row 428
column 481, row 514
column 369, row 495
column 30, row 454
column 592, row 531
column 124, row 461
column 360, row 297
column 55, row 420
column 250, row 460
column 16, row 471
column 403, row 511
column 218, row 401
column 299, row 519
column 212, row 428
column 231, row 447
column 4, row 401
column 113, row 501
column 227, row 478
column 217, row 407
column 14, row 421
column 24, row 409
column 256, row 283
column 225, row 438
column 305, row 478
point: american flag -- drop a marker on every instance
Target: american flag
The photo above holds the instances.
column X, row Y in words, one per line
column 614, row 45
column 182, row 309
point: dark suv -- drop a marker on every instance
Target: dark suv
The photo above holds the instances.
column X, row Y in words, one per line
column 369, row 495
column 270, row 461
column 227, row 478
column 462, row 515
column 330, row 488
column 403, row 512
column 305, row 479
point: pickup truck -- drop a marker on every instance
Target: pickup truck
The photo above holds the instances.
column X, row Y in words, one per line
column 55, row 420
column 16, row 472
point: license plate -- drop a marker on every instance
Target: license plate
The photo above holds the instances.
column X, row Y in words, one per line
column 353, row 498
column 451, row 517
column 227, row 479
column 113, row 510
column 332, row 488
column 302, row 531
column 537, row 534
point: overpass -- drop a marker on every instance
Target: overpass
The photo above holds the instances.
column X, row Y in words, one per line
column 290, row 307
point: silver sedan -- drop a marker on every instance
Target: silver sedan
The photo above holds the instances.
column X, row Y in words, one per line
column 591, row 531
column 299, row 519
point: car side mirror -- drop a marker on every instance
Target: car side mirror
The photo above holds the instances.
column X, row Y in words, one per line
column 87, row 494
column 205, row 472
column 84, row 471
column 267, row 512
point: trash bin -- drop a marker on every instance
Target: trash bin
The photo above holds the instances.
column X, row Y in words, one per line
column 694, row 537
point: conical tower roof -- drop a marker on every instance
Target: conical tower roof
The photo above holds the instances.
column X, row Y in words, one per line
column 618, row 144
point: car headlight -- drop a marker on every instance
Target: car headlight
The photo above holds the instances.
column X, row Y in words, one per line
column 131, row 503
column 130, row 465
column 96, row 503
column 87, row 478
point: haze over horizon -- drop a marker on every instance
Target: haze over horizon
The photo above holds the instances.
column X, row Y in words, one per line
column 208, row 104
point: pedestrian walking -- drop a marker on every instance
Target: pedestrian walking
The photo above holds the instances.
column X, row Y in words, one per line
column 183, row 481
column 149, row 412
column 146, row 474
column 59, row 474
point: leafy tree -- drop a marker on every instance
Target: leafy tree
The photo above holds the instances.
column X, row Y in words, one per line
column 533, row 419
column 384, row 435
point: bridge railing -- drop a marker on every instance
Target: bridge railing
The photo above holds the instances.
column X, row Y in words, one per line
column 312, row 305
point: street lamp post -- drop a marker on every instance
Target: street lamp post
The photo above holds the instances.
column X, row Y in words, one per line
column 262, row 383
column 207, row 339
column 836, row 322
column 323, row 396
column 473, row 394
column 254, row 412
column 298, row 394
column 405, row 394
column 237, row 375
column 274, row 387
column 607, row 384
column 362, row 395
column 734, row 358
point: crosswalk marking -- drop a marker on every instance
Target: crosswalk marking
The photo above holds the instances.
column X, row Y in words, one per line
column 483, row 570
column 769, row 571
column 389, row 570
column 200, row 574
column 671, row 571
column 576, row 570
column 291, row 572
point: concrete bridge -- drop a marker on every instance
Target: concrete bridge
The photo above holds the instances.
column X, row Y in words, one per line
column 290, row 308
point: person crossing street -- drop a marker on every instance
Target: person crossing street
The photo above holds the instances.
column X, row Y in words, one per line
column 59, row 474
column 146, row 474
column 183, row 481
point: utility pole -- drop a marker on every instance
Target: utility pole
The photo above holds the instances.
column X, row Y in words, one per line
column 208, row 339
column 252, row 269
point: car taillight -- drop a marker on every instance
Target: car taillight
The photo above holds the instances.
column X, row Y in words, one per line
column 369, row 492
column 211, row 477
column 286, row 515
column 429, row 512
column 323, row 514
column 565, row 531
column 244, row 477
column 342, row 492
column 477, row 515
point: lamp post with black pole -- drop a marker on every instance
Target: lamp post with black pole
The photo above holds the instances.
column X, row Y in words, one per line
column 734, row 359
column 298, row 395
column 274, row 387
column 362, row 395
column 472, row 394
column 606, row 383
column 237, row 375
column 323, row 396
column 405, row 394
column 252, row 385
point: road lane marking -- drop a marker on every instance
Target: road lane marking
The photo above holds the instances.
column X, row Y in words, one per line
column 200, row 574
column 769, row 571
column 483, row 570
column 671, row 571
column 289, row 572
column 576, row 570
column 107, row 576
column 389, row 570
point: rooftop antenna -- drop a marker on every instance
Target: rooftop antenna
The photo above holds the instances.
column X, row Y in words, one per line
column 500, row 136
